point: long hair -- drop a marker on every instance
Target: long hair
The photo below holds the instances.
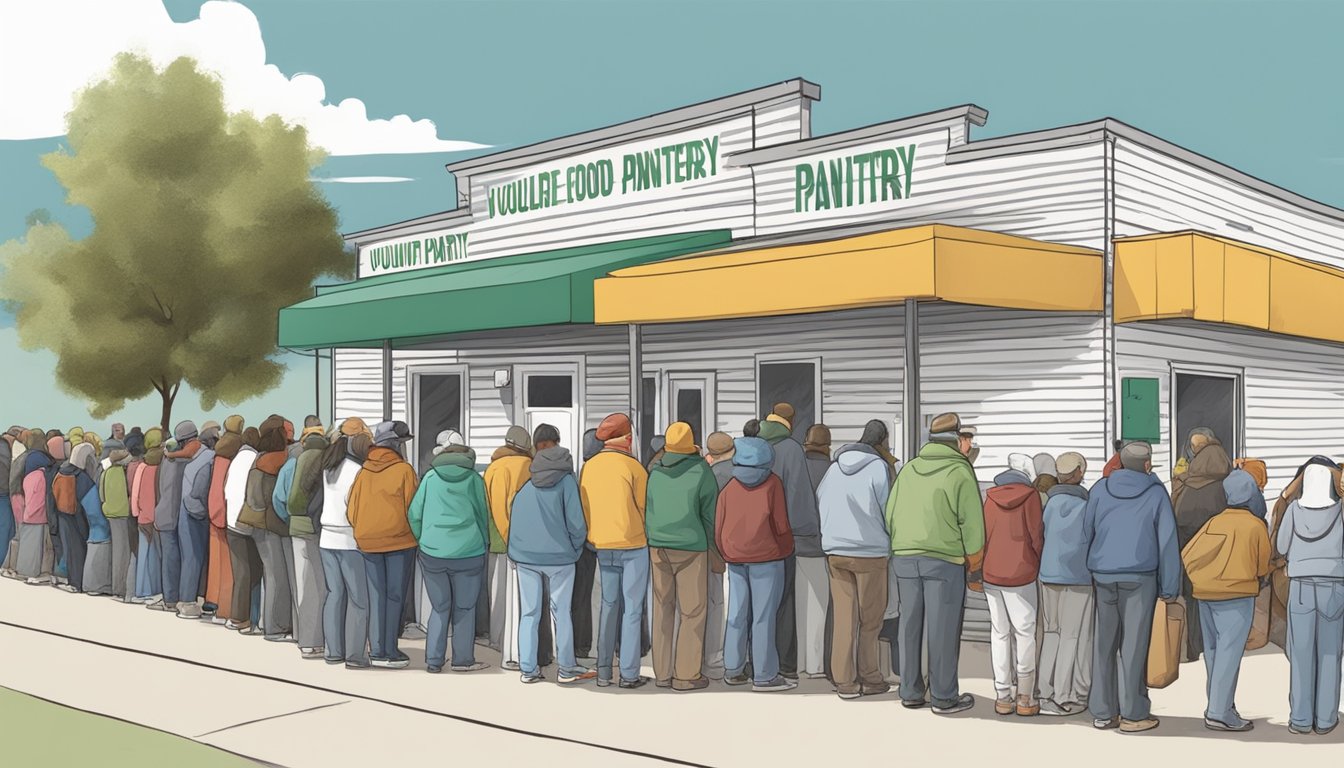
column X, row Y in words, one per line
column 335, row 454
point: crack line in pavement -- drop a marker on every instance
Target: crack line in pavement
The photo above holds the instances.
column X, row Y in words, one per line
column 421, row 710
column 271, row 717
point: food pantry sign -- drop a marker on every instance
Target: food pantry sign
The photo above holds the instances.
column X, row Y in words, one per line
column 432, row 249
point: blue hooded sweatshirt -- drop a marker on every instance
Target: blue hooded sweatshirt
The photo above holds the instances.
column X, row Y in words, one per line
column 752, row 460
column 1064, row 555
column 1131, row 529
column 546, row 525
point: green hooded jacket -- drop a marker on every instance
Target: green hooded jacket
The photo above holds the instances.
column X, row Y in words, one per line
column 772, row 432
column 682, row 494
column 448, row 514
column 934, row 508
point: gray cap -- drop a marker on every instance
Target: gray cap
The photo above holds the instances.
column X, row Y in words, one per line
column 391, row 433
column 184, row 432
column 519, row 438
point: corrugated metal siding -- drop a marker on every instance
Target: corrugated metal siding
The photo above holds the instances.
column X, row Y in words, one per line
column 862, row 364
column 1028, row 381
column 1294, row 388
column 1158, row 193
column 781, row 121
column 1055, row 196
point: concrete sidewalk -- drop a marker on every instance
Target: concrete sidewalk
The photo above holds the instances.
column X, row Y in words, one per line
column 261, row 700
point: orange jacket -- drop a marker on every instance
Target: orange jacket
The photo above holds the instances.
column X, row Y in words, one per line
column 379, row 499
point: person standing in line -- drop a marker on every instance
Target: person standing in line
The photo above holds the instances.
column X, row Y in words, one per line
column 1135, row 560
column 97, row 578
column 817, row 451
column 1066, row 595
column 72, row 493
column 33, row 520
column 802, row 619
column 53, row 557
column 114, row 494
column 345, row 613
column 1046, row 474
column 13, row 480
column 303, row 560
column 719, row 456
column 751, row 527
column 585, row 577
column 219, row 575
column 613, row 490
column 171, row 470
column 8, row 521
column 1226, row 561
column 1311, row 537
column 269, row 531
column 144, row 499
column 851, row 500
column 937, row 525
column 547, row 537
column 449, row 517
column 1013, row 541
column 379, row 501
column 193, row 525
column 244, row 556
column 1197, row 496
column 508, row 471
column 682, row 494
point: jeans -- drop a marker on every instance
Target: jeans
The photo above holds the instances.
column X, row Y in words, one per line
column 170, row 564
column 1124, row 629
column 8, row 525
column 1315, row 639
column 389, row 581
column 148, row 570
column 454, row 586
column 74, row 538
column 755, row 591
column 531, row 598
column 345, row 612
column 1227, row 624
column 625, row 576
column 585, row 572
column 786, row 621
column 193, row 538
column 1066, row 645
column 932, row 598
column 1012, row 641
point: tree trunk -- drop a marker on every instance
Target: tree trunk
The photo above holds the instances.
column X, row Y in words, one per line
column 166, row 414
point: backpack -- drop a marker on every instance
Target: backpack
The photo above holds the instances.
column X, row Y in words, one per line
column 63, row 494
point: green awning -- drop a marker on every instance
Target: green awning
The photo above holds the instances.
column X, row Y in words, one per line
column 546, row 288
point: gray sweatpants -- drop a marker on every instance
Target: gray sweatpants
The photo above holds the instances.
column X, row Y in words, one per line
column 1125, row 606
column 309, row 589
column 123, row 528
column 1065, row 671
column 932, row 598
column 277, row 611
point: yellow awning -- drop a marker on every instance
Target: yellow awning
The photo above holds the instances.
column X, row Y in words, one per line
column 933, row 261
column 1204, row 277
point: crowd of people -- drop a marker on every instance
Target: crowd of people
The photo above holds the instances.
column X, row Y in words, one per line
column 754, row 560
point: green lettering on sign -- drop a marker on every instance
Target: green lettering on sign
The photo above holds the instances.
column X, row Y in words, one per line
column 859, row 179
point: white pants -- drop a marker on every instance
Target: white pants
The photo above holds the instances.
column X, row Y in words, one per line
column 504, row 608
column 714, row 624
column 1012, row 641
column 811, row 596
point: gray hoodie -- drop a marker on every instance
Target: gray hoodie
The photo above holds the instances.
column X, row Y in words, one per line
column 550, row 466
column 1313, row 541
column 851, row 499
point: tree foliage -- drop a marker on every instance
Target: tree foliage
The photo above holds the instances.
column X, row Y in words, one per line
column 205, row 225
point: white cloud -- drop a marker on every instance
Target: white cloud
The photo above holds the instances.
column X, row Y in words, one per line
column 64, row 45
column 360, row 179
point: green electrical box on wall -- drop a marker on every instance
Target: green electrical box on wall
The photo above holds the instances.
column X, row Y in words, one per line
column 1140, row 412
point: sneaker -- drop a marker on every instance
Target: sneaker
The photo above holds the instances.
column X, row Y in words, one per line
column 913, row 703
column 663, row 683
column 1004, row 707
column 738, row 679
column 815, row 675
column 1138, row 726
column 357, row 665
column 333, row 660
column 1106, row 725
column 780, row 683
column 1219, row 725
column 36, row 581
column 569, row 678
column 535, row 677
column 603, row 683
column 963, row 703
column 312, row 653
column 188, row 611
column 1300, row 730
column 158, row 605
column 475, row 666
column 143, row 600
column 849, row 695
column 512, row 666
column 1027, row 706
column 414, row 632
column 875, row 690
column 71, row 588
column 1321, row 731
column 217, row 619
column 279, row 637
column 434, row 669
column 238, row 626
column 638, row 682
column 698, row 684
column 96, row 594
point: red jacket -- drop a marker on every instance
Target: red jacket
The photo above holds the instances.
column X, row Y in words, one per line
column 751, row 525
column 1014, row 535
column 215, row 496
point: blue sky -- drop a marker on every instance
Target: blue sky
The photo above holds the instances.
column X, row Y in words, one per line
column 1253, row 84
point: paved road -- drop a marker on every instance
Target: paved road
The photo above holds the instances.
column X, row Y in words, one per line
column 260, row 700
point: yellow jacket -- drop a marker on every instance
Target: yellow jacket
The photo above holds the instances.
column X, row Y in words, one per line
column 613, row 489
column 1228, row 556
column 508, row 472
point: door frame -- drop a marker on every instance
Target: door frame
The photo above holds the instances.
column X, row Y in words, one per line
column 1237, row 374
column 709, row 407
column 788, row 357
column 413, row 374
column 574, row 365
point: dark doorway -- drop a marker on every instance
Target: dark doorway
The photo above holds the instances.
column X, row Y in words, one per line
column 439, row 407
column 1206, row 401
column 792, row 383
column 648, row 409
column 690, row 408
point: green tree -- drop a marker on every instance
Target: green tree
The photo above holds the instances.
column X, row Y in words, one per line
column 205, row 224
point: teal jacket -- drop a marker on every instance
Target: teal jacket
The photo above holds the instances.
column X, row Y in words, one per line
column 448, row 513
column 934, row 508
column 682, row 495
